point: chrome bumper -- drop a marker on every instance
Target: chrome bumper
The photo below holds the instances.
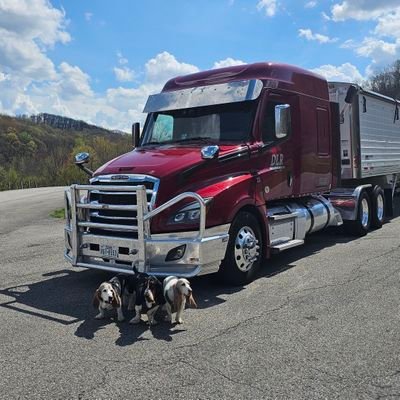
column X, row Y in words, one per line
column 203, row 252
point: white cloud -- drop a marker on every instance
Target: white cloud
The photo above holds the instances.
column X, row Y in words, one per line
column 387, row 15
column 73, row 82
column 325, row 16
column 343, row 73
column 309, row 35
column 34, row 20
column 362, row 9
column 88, row 16
column 21, row 56
column 379, row 51
column 27, row 29
column 165, row 66
column 310, row 4
column 389, row 24
column 228, row 62
column 70, row 93
column 268, row 6
column 124, row 74
column 121, row 59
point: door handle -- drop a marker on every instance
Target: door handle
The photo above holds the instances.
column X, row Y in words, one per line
column 289, row 179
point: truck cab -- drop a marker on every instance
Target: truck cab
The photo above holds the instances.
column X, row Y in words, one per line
column 233, row 165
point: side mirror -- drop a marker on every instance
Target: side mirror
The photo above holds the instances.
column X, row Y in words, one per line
column 135, row 134
column 282, row 121
column 351, row 92
column 83, row 158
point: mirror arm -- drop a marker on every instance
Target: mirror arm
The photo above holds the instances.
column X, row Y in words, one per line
column 85, row 169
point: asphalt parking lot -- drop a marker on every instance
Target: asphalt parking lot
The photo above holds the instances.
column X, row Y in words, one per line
column 320, row 322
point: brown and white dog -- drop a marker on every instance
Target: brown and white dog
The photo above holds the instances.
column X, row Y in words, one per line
column 176, row 292
column 109, row 296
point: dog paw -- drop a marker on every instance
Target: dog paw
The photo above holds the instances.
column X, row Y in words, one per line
column 99, row 316
column 134, row 320
column 179, row 321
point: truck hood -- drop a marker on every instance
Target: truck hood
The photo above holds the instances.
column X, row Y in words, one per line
column 160, row 161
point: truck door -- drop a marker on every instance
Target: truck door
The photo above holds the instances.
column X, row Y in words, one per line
column 277, row 161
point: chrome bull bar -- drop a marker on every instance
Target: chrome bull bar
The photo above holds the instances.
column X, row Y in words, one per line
column 105, row 246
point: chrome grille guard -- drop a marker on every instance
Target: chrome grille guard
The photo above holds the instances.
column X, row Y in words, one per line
column 87, row 242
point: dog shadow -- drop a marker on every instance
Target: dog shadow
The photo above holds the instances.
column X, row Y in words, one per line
column 65, row 297
column 130, row 334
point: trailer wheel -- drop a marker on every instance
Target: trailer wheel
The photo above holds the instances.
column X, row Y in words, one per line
column 243, row 254
column 377, row 207
column 361, row 225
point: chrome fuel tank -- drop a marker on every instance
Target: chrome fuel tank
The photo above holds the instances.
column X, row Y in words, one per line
column 294, row 219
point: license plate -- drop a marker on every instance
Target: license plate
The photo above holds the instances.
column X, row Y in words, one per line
column 109, row 251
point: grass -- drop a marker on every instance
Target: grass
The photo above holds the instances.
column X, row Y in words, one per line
column 59, row 213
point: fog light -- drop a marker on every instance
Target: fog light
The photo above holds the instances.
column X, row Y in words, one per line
column 176, row 253
column 179, row 217
column 195, row 214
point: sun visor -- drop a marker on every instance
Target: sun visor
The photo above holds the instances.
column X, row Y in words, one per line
column 223, row 93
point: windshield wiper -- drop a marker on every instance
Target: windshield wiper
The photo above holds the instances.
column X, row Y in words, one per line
column 204, row 139
column 145, row 144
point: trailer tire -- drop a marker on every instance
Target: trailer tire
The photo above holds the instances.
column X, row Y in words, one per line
column 377, row 207
column 243, row 254
column 362, row 223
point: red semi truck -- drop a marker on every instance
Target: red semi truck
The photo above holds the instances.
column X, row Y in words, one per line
column 233, row 165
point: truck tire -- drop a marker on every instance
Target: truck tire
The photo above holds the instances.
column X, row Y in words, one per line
column 377, row 207
column 243, row 254
column 362, row 223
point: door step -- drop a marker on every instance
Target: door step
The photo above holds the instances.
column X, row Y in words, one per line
column 277, row 248
column 281, row 217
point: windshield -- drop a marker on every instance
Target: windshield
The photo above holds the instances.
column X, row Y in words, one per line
column 218, row 123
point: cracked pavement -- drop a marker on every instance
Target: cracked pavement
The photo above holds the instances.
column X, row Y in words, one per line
column 320, row 322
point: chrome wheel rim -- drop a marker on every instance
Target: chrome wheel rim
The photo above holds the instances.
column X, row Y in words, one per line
column 246, row 249
column 364, row 213
column 379, row 207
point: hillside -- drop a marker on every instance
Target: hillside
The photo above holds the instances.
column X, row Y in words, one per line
column 39, row 150
column 60, row 122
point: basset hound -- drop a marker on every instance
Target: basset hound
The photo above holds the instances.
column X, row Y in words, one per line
column 176, row 292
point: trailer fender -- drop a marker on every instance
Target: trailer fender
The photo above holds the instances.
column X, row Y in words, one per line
column 346, row 200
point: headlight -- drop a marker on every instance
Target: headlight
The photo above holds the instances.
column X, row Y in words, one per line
column 189, row 214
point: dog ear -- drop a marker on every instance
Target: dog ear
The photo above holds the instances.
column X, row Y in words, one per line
column 116, row 301
column 192, row 302
column 96, row 298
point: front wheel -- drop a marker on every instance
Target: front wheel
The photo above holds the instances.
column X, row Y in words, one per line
column 243, row 254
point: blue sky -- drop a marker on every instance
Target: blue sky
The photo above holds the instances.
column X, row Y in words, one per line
column 99, row 60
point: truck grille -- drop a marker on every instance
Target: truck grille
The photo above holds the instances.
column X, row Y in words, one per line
column 119, row 217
